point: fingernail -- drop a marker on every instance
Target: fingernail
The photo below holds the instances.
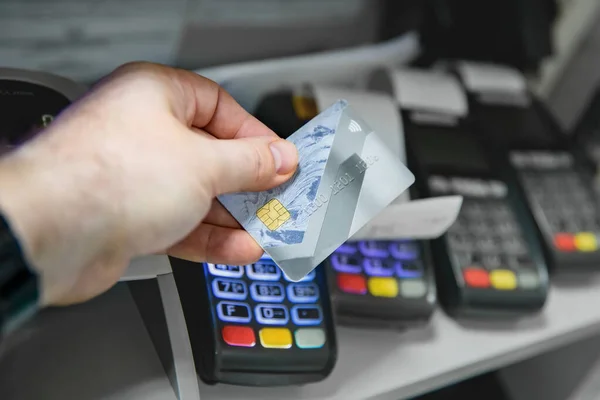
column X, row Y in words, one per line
column 284, row 155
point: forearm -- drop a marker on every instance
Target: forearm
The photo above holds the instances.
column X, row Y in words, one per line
column 49, row 205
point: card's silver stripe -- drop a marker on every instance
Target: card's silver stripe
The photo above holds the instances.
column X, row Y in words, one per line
column 352, row 114
column 307, row 247
column 340, row 211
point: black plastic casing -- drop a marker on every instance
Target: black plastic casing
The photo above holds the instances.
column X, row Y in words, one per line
column 390, row 313
column 217, row 362
column 586, row 133
column 456, row 298
column 494, row 122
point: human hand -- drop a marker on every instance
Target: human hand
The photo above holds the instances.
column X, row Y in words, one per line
column 132, row 169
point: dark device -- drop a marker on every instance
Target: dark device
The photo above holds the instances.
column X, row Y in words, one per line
column 372, row 283
column 490, row 262
column 555, row 177
column 586, row 133
column 30, row 101
column 382, row 283
column 479, row 30
column 249, row 325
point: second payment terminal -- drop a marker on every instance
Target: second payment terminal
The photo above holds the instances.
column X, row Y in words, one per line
column 586, row 134
column 490, row 262
column 556, row 181
column 250, row 325
column 375, row 283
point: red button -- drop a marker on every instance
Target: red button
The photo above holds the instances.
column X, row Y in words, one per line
column 242, row 336
column 476, row 277
column 564, row 242
column 351, row 283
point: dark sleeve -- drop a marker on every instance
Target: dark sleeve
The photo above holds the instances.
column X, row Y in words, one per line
column 19, row 293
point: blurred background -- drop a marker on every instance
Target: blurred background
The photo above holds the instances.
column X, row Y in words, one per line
column 85, row 39
column 101, row 349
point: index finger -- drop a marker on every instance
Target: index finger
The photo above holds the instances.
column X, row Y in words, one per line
column 211, row 108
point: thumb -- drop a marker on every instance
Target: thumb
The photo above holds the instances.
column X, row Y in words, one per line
column 252, row 164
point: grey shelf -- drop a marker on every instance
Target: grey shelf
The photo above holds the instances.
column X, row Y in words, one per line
column 101, row 350
column 390, row 365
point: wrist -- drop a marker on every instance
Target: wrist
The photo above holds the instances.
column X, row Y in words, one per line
column 21, row 204
column 18, row 203
column 19, row 286
column 53, row 213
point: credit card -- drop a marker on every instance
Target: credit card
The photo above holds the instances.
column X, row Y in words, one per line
column 345, row 177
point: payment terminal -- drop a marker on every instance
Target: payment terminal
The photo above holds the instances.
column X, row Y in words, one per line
column 586, row 134
column 553, row 174
column 30, row 101
column 490, row 262
column 250, row 325
column 372, row 283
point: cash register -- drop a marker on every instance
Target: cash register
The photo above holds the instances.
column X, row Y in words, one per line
column 374, row 283
column 490, row 262
column 552, row 173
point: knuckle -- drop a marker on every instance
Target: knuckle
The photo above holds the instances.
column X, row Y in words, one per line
column 215, row 246
column 134, row 66
column 252, row 163
column 137, row 72
column 209, row 240
column 259, row 163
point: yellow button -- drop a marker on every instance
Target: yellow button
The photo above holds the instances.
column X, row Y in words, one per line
column 503, row 279
column 275, row 338
column 273, row 214
column 383, row 287
column 586, row 242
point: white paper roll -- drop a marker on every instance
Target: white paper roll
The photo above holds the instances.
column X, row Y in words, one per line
column 378, row 110
column 432, row 91
column 491, row 78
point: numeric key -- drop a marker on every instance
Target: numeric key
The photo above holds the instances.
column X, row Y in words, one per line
column 379, row 267
column 269, row 314
column 346, row 248
column 514, row 246
column 229, row 289
column 404, row 250
column 491, row 261
column 409, row 269
column 263, row 271
column 307, row 315
column 228, row 271
column 231, row 311
column 345, row 263
column 460, row 242
column 267, row 292
column 303, row 292
column 372, row 248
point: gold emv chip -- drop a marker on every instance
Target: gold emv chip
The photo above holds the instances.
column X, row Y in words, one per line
column 273, row 214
